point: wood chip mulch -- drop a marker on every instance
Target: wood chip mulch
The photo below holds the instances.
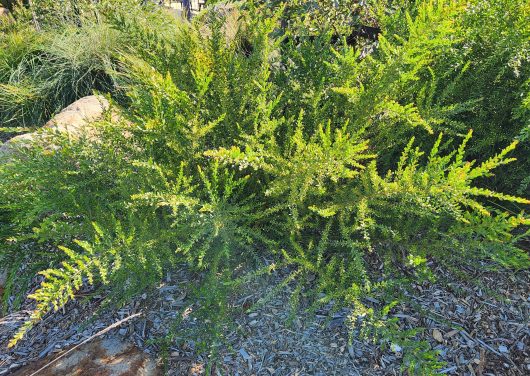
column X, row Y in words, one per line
column 477, row 332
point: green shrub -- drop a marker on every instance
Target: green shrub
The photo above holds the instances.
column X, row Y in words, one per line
column 306, row 156
column 490, row 65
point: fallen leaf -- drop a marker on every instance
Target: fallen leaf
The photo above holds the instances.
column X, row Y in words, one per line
column 437, row 335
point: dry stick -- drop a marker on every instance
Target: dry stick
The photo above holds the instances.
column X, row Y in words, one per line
column 488, row 347
column 103, row 331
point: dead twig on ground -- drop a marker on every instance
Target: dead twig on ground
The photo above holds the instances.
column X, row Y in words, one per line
column 101, row 332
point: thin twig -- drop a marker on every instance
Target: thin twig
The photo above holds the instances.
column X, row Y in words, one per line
column 488, row 347
column 103, row 331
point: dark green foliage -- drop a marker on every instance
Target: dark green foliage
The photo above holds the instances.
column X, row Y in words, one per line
column 328, row 162
column 490, row 64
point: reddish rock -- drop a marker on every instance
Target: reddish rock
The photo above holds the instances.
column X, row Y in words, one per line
column 102, row 357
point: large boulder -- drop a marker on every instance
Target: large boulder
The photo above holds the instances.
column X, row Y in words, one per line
column 74, row 121
column 75, row 118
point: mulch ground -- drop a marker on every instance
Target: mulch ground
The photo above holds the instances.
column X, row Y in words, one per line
column 477, row 330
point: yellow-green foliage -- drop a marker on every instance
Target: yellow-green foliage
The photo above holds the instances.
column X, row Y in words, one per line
column 301, row 152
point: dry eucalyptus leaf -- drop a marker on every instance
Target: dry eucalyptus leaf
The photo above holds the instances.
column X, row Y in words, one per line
column 437, row 335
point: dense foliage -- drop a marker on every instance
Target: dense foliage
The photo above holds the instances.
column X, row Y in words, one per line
column 353, row 167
